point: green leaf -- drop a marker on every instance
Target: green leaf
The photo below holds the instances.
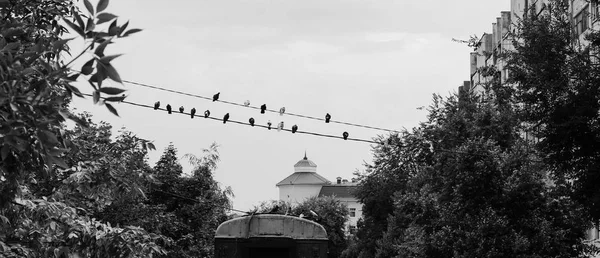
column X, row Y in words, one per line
column 105, row 17
column 74, row 90
column 131, row 31
column 112, row 73
column 111, row 109
column 111, row 90
column 115, row 99
column 75, row 27
column 102, row 4
column 4, row 151
column 100, row 49
column 59, row 43
column 96, row 97
column 79, row 20
column 4, row 220
column 90, row 26
column 107, row 59
column 47, row 137
column 113, row 29
column 89, row 6
column 123, row 27
column 57, row 161
column 73, row 77
column 88, row 68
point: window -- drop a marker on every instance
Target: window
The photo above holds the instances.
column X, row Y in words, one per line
column 595, row 10
column 581, row 23
column 352, row 212
column 352, row 230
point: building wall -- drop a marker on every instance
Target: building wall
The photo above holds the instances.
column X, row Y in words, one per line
column 295, row 194
column 352, row 203
column 499, row 42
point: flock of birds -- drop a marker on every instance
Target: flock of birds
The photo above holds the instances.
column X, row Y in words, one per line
column 263, row 108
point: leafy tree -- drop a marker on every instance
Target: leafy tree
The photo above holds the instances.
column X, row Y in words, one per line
column 36, row 85
column 557, row 80
column 186, row 209
column 465, row 184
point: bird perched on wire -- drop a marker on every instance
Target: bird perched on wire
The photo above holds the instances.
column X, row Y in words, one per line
column 181, row 109
column 225, row 118
column 281, row 111
column 269, row 125
column 206, row 113
column 327, row 118
column 280, row 126
column 216, row 96
column 251, row 121
column 169, row 108
column 247, row 103
column 345, row 135
column 294, row 128
column 193, row 112
column 263, row 108
column 156, row 105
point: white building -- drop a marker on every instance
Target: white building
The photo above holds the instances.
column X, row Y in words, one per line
column 305, row 183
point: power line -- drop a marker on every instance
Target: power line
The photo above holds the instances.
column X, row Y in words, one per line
column 197, row 201
column 255, row 107
column 244, row 123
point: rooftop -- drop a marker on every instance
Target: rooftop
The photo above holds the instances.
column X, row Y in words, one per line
column 304, row 178
column 341, row 191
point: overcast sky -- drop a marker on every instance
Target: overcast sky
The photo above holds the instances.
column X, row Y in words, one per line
column 363, row 61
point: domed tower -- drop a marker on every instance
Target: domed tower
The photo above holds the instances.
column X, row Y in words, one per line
column 302, row 184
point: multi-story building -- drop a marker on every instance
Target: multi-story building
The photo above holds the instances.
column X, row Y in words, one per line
column 584, row 16
column 305, row 182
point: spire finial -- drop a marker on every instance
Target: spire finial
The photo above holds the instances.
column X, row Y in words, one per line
column 305, row 158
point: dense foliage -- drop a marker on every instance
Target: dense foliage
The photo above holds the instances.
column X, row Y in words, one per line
column 467, row 183
column 557, row 79
column 78, row 192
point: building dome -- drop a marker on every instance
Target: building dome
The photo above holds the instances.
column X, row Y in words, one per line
column 305, row 165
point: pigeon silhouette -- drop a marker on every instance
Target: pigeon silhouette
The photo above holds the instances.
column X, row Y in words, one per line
column 263, row 108
column 251, row 121
column 269, row 125
column 280, row 126
column 247, row 103
column 193, row 112
column 281, row 111
column 156, row 105
column 181, row 109
column 206, row 113
column 216, row 96
column 345, row 135
column 294, row 128
column 169, row 108
column 327, row 118
column 225, row 118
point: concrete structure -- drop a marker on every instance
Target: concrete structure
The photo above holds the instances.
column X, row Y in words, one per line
column 343, row 192
column 302, row 184
column 584, row 15
column 305, row 183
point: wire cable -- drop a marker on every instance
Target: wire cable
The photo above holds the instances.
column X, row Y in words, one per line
column 255, row 107
column 242, row 123
column 197, row 201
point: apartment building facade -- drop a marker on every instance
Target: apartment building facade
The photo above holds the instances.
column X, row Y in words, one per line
column 585, row 17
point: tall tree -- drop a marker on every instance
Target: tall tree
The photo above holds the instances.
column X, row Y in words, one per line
column 471, row 188
column 557, row 78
